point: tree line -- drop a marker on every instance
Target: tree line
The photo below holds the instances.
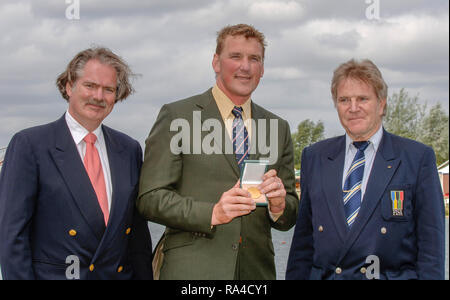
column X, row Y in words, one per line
column 405, row 116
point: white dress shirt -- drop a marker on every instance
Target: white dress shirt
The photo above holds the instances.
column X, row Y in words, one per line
column 369, row 154
column 78, row 133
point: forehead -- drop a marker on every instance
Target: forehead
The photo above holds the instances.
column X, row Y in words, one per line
column 353, row 86
column 98, row 72
column 240, row 43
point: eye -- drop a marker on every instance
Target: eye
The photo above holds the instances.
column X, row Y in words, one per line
column 110, row 90
column 343, row 100
column 89, row 85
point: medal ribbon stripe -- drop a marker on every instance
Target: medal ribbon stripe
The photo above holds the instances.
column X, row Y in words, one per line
column 353, row 182
column 397, row 200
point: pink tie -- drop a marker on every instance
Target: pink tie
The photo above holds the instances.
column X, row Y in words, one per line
column 94, row 169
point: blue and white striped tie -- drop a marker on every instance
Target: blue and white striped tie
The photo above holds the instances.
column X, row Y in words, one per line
column 240, row 137
column 352, row 185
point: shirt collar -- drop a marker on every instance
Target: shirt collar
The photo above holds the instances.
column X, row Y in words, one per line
column 78, row 131
column 225, row 105
column 374, row 140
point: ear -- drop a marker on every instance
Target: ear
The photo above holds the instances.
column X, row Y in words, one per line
column 383, row 106
column 69, row 89
column 216, row 63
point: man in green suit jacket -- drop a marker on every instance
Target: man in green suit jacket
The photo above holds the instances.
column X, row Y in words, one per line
column 190, row 182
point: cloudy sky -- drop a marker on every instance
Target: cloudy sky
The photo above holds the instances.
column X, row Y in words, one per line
column 170, row 43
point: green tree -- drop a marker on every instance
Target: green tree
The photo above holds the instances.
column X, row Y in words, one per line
column 404, row 115
column 434, row 127
column 307, row 133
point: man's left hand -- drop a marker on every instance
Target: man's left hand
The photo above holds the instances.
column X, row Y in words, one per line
column 273, row 187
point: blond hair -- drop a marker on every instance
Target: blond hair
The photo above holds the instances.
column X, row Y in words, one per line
column 245, row 30
column 364, row 70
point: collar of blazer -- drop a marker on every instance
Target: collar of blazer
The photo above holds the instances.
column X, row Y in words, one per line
column 384, row 167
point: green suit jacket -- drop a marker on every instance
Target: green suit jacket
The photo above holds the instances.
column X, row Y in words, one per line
column 179, row 190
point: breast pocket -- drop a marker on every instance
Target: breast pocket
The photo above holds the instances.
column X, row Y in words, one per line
column 396, row 204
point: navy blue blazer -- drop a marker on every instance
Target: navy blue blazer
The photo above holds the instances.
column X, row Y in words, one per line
column 49, row 210
column 409, row 245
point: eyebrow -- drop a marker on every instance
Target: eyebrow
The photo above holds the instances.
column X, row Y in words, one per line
column 96, row 84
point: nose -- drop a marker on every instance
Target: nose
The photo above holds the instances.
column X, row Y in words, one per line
column 354, row 105
column 245, row 64
column 98, row 94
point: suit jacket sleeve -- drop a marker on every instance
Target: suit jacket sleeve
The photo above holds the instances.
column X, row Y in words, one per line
column 287, row 175
column 158, row 200
column 430, row 222
column 18, row 193
column 302, row 251
column 140, row 241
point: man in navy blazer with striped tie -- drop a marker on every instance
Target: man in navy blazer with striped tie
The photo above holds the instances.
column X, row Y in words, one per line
column 371, row 202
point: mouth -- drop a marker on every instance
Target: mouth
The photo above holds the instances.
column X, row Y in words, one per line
column 356, row 119
column 243, row 77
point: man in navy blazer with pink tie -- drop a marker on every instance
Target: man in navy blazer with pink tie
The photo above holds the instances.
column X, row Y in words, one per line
column 389, row 222
column 53, row 224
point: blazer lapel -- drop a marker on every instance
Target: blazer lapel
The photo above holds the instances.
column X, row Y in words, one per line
column 332, row 166
column 68, row 161
column 119, row 166
column 384, row 167
column 258, row 114
column 209, row 110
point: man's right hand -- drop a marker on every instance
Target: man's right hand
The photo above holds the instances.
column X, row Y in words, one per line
column 234, row 203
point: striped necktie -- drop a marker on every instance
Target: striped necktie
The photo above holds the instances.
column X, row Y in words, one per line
column 240, row 137
column 352, row 185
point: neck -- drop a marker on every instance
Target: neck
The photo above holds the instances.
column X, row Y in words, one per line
column 87, row 124
column 236, row 99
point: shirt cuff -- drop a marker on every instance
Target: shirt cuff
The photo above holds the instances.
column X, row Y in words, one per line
column 274, row 216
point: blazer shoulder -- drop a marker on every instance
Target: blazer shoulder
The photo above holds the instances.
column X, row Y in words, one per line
column 268, row 114
column 327, row 144
column 190, row 102
column 120, row 137
column 409, row 147
column 37, row 133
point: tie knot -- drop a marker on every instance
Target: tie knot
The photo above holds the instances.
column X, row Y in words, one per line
column 237, row 112
column 361, row 146
column 90, row 138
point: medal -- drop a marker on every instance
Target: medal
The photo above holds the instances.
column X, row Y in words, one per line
column 397, row 203
column 254, row 192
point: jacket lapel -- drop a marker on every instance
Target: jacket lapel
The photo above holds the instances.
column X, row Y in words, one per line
column 119, row 166
column 333, row 165
column 209, row 110
column 68, row 161
column 258, row 114
column 384, row 167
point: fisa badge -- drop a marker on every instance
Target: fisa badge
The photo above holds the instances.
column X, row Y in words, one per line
column 397, row 202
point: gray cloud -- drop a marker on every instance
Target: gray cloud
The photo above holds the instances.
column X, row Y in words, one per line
column 171, row 44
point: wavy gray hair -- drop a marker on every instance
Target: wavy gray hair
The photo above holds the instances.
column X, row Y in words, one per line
column 75, row 68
